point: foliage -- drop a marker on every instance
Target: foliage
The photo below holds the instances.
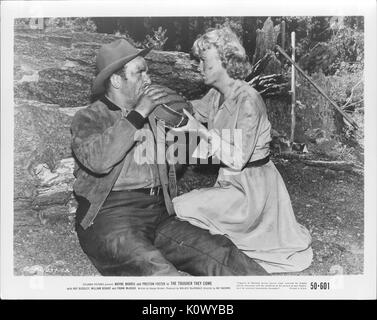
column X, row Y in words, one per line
column 343, row 34
column 348, row 40
column 75, row 24
column 234, row 24
column 318, row 115
column 309, row 31
column 127, row 37
column 21, row 22
column 157, row 40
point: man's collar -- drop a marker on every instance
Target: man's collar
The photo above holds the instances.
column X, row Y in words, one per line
column 112, row 106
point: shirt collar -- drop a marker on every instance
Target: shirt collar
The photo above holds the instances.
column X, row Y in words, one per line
column 230, row 102
column 112, row 106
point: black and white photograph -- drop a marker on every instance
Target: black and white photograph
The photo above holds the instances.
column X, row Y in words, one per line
column 178, row 151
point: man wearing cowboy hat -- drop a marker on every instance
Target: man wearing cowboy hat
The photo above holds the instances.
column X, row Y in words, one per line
column 121, row 210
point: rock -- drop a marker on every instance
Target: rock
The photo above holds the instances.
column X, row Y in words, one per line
column 41, row 135
column 51, row 196
column 336, row 270
column 54, row 213
column 63, row 173
column 66, row 88
column 60, row 263
column 35, row 270
column 71, row 111
column 24, row 217
column 54, row 187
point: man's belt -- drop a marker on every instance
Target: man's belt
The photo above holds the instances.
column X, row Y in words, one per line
column 256, row 163
column 154, row 191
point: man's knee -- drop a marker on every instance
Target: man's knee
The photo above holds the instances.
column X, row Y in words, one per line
column 196, row 251
column 130, row 253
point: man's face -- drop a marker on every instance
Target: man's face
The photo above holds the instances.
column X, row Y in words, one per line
column 136, row 80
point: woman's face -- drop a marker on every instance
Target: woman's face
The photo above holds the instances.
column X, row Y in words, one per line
column 211, row 68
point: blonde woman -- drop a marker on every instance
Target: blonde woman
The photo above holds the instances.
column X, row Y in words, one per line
column 249, row 202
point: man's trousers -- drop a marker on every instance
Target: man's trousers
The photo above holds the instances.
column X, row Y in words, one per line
column 133, row 235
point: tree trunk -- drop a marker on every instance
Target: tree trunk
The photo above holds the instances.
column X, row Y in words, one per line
column 59, row 68
column 335, row 165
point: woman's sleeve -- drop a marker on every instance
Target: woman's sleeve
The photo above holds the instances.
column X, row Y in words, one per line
column 235, row 147
column 202, row 106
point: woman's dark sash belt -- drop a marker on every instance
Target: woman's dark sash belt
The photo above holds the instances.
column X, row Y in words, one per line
column 256, row 163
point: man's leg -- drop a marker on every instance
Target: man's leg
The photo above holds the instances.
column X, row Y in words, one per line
column 120, row 241
column 197, row 252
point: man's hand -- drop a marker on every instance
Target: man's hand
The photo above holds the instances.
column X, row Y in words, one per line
column 150, row 99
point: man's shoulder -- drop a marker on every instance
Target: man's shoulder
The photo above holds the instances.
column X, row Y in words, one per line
column 96, row 114
column 95, row 109
column 96, row 106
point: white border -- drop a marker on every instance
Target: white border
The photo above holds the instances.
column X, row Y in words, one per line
column 347, row 287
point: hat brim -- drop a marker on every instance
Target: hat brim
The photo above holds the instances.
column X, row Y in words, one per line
column 99, row 82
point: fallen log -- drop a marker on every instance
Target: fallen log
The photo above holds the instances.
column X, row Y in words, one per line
column 59, row 68
column 309, row 160
column 335, row 165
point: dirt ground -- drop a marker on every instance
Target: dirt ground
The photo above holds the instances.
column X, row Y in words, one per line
column 329, row 203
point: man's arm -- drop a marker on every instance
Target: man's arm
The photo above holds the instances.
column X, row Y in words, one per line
column 99, row 148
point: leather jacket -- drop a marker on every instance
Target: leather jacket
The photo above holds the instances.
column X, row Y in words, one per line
column 101, row 142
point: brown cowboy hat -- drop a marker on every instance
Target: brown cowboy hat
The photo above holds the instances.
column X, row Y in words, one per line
column 112, row 57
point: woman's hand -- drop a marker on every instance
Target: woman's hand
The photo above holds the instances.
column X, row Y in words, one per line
column 192, row 125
